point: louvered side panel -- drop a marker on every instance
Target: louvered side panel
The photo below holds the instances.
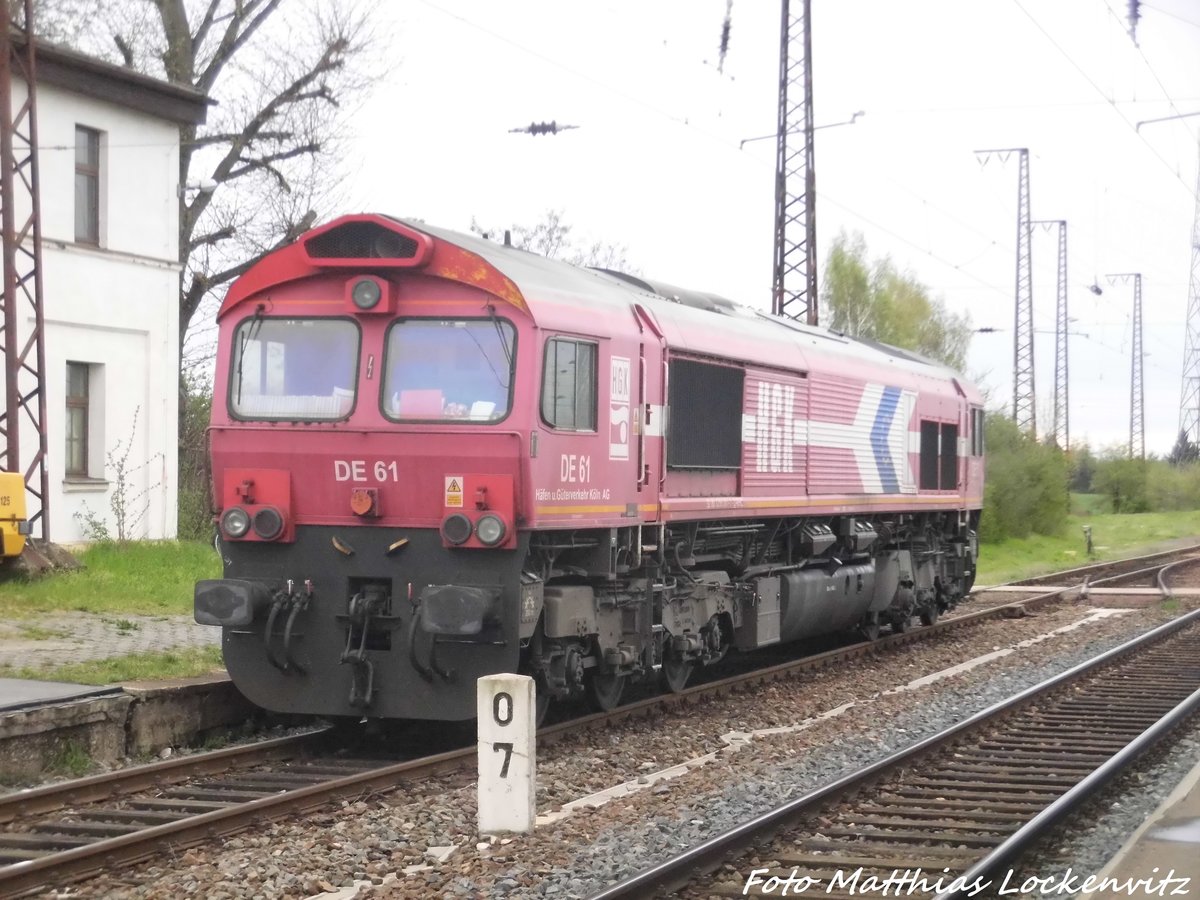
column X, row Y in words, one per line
column 774, row 434
column 839, row 434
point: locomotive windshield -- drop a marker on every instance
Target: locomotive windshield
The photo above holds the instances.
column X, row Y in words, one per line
column 294, row 369
column 449, row 369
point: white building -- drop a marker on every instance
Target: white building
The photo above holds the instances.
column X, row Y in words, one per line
column 108, row 157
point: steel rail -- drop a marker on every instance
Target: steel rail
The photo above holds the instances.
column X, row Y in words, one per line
column 152, row 775
column 1092, row 567
column 1162, row 574
column 678, row 871
column 138, row 846
column 19, row 877
column 1018, row 842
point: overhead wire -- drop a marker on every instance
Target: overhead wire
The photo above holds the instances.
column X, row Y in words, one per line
column 1153, row 74
column 1112, row 105
column 1172, row 15
column 879, row 226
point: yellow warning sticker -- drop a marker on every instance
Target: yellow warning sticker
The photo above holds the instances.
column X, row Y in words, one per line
column 454, row 491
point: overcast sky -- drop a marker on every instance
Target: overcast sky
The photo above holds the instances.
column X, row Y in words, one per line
column 656, row 163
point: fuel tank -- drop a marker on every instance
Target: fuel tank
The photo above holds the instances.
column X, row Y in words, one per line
column 820, row 601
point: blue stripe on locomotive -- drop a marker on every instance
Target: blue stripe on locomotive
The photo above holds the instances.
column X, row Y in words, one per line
column 879, row 439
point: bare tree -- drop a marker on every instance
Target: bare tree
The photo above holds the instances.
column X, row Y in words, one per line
column 551, row 238
column 281, row 73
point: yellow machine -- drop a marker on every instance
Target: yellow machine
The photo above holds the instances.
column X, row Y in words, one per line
column 13, row 524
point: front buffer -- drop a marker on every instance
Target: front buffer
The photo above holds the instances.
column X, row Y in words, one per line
column 364, row 622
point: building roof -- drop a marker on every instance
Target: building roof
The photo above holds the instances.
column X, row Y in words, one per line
column 78, row 73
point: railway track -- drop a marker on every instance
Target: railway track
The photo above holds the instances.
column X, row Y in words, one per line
column 959, row 807
column 76, row 829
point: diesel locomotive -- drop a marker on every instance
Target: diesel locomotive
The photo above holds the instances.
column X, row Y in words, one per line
column 436, row 457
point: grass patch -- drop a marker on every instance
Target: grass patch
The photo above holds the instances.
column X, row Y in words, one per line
column 1114, row 537
column 71, row 758
column 1090, row 504
column 136, row 578
column 181, row 663
column 38, row 633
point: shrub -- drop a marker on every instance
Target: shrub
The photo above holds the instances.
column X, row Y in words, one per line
column 195, row 512
column 1123, row 480
column 1026, row 484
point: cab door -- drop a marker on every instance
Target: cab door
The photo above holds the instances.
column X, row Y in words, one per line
column 649, row 413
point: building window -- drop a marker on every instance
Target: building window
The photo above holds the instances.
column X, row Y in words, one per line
column 77, row 420
column 87, row 185
column 569, row 385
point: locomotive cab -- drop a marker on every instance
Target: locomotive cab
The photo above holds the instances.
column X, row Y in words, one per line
column 365, row 466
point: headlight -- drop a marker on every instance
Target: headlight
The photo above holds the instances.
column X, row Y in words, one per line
column 365, row 293
column 456, row 529
column 268, row 523
column 235, row 522
column 490, row 530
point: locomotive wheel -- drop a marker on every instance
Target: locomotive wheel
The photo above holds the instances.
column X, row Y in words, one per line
column 868, row 629
column 929, row 614
column 968, row 582
column 541, row 701
column 604, row 691
column 900, row 623
column 674, row 673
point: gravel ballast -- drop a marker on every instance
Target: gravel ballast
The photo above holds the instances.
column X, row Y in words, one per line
column 377, row 839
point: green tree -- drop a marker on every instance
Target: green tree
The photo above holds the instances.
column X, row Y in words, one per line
column 1083, row 468
column 1123, row 479
column 877, row 301
column 1184, row 451
column 1025, row 485
column 195, row 506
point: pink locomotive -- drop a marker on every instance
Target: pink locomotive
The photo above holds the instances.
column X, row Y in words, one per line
column 435, row 457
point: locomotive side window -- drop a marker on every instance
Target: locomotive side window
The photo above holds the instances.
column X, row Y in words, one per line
column 704, row 429
column 929, row 456
column 457, row 369
column 949, row 474
column 939, row 456
column 569, row 385
column 976, row 431
column 294, row 369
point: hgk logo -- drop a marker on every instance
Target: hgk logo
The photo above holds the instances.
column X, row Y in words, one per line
column 774, row 427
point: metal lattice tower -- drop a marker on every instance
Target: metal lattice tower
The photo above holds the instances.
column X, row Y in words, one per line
column 1060, row 427
column 21, row 297
column 1189, row 402
column 1024, row 395
column 1137, row 394
column 795, row 274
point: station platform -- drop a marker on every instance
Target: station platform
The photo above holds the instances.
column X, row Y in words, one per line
column 61, row 639
column 1166, row 846
column 29, row 648
column 41, row 720
column 19, row 694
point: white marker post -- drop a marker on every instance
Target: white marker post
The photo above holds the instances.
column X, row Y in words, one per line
column 506, row 709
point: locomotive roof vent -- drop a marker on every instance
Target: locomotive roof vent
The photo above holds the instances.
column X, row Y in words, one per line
column 698, row 299
column 353, row 242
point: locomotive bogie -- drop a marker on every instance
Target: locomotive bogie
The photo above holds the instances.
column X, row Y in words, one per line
column 437, row 458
